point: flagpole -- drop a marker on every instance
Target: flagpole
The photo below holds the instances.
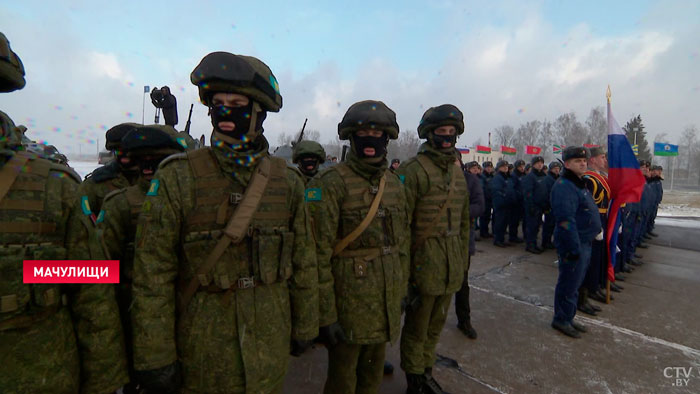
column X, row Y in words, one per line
column 673, row 170
column 608, row 94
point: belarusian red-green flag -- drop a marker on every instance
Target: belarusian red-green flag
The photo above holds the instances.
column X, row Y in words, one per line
column 507, row 150
column 483, row 149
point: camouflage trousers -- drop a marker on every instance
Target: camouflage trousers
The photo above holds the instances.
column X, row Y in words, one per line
column 421, row 331
column 355, row 369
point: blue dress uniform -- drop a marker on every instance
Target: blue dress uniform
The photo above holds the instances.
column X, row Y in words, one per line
column 504, row 198
column 485, row 217
column 596, row 276
column 517, row 208
column 548, row 227
column 645, row 206
column 630, row 217
column 577, row 223
column 659, row 189
column 536, row 199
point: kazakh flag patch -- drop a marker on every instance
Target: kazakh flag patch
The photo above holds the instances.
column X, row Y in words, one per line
column 85, row 205
column 182, row 142
column 153, row 189
column 100, row 217
column 313, row 194
column 402, row 178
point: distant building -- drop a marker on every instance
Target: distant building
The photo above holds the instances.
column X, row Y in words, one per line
column 470, row 154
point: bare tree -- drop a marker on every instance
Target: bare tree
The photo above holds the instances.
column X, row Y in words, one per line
column 689, row 141
column 546, row 139
column 597, row 125
column 504, row 135
column 569, row 130
column 405, row 147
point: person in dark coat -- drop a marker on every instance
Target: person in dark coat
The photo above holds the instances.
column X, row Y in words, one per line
column 504, row 198
column 536, row 199
column 517, row 208
column 577, row 223
column 476, row 208
column 548, row 227
column 485, row 218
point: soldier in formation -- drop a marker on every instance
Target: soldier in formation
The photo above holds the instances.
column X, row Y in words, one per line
column 548, row 225
column 485, row 219
column 308, row 155
column 536, row 198
column 360, row 221
column 504, row 197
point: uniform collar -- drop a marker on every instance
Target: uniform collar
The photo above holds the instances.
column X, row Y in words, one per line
column 578, row 182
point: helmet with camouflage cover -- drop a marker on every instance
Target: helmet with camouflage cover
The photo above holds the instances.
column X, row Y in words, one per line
column 368, row 114
column 153, row 139
column 443, row 115
column 309, row 148
column 246, row 75
column 11, row 68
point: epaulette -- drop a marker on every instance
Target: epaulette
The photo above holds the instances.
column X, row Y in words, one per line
column 104, row 173
column 112, row 194
column 65, row 169
column 176, row 156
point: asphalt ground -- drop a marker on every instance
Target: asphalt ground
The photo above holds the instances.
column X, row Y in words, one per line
column 646, row 341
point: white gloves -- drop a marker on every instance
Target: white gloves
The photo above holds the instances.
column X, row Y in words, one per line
column 599, row 237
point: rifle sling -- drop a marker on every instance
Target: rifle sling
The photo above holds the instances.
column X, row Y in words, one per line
column 343, row 243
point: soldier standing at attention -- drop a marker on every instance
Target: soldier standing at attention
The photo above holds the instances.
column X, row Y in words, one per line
column 577, row 224
column 548, row 226
column 517, row 213
column 438, row 202
column 54, row 338
column 504, row 198
column 486, row 178
column 360, row 220
column 224, row 270
column 116, row 224
column 536, row 198
column 308, row 155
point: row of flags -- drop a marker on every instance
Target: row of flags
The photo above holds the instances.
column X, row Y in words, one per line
column 529, row 149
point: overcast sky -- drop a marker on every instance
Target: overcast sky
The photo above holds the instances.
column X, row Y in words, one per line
column 501, row 63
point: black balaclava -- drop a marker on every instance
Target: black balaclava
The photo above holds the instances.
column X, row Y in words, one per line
column 148, row 163
column 240, row 116
column 378, row 143
column 437, row 140
column 305, row 161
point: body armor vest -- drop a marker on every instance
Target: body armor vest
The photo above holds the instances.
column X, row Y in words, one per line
column 265, row 255
column 426, row 223
column 358, row 198
column 29, row 229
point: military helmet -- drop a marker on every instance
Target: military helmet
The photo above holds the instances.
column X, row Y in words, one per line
column 309, row 148
column 368, row 114
column 113, row 137
column 537, row 159
column 246, row 75
column 11, row 68
column 154, row 138
column 443, row 115
column 554, row 164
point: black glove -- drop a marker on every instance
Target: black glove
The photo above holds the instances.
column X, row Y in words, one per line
column 331, row 334
column 299, row 346
column 164, row 380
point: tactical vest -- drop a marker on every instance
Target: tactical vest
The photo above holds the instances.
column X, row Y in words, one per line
column 426, row 223
column 355, row 206
column 29, row 229
column 135, row 197
column 265, row 255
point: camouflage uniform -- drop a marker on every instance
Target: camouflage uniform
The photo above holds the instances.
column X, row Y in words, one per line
column 439, row 243
column 54, row 338
column 308, row 150
column 234, row 335
column 362, row 286
column 116, row 223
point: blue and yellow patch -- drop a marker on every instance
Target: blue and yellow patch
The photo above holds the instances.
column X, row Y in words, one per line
column 182, row 142
column 153, row 189
column 402, row 178
column 313, row 194
column 274, row 83
column 100, row 217
column 85, row 205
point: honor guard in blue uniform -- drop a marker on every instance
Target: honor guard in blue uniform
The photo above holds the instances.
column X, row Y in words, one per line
column 657, row 177
column 548, row 226
column 577, row 223
column 517, row 208
column 504, row 199
column 485, row 218
column 536, row 198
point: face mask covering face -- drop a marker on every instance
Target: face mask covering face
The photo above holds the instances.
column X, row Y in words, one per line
column 377, row 143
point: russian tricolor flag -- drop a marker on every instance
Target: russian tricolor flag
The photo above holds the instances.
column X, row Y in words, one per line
column 626, row 183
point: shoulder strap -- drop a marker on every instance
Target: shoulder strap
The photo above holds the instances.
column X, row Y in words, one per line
column 202, row 162
column 421, row 238
column 340, row 246
column 235, row 230
column 9, row 172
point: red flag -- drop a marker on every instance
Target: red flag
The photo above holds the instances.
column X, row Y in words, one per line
column 591, row 145
column 532, row 150
column 483, row 149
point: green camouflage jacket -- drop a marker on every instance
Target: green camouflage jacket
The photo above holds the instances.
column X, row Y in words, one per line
column 230, row 338
column 438, row 264
column 363, row 285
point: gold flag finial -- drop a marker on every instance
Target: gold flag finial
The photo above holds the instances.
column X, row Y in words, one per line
column 608, row 94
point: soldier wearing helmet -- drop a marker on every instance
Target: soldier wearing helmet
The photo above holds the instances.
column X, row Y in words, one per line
column 308, row 155
column 116, row 223
column 438, row 202
column 359, row 214
column 223, row 250
column 54, row 337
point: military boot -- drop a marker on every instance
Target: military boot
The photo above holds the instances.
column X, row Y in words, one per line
column 431, row 386
column 467, row 329
column 388, row 368
column 415, row 383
